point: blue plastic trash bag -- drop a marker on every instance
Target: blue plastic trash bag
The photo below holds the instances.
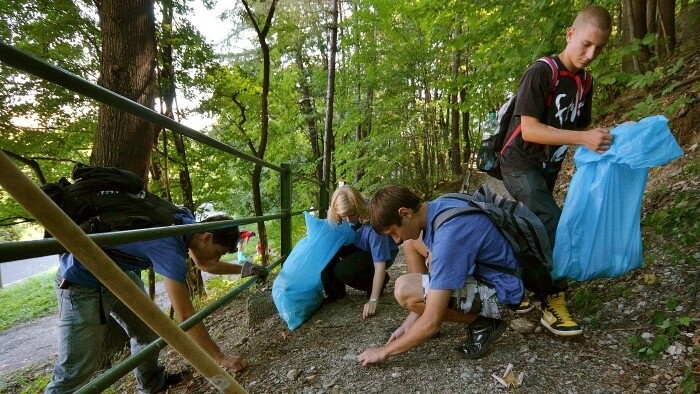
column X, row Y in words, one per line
column 297, row 290
column 599, row 233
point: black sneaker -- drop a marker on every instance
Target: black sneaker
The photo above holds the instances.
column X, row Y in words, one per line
column 172, row 380
column 480, row 334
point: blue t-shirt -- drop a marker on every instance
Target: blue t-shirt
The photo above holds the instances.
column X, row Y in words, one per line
column 380, row 246
column 461, row 243
column 167, row 256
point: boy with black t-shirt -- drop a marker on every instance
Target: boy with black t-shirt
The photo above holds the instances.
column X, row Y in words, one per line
column 531, row 163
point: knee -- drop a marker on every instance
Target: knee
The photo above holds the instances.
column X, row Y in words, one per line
column 405, row 291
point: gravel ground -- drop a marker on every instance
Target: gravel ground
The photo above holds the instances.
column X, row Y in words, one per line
column 321, row 356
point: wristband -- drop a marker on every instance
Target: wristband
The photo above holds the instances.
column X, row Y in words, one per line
column 373, row 300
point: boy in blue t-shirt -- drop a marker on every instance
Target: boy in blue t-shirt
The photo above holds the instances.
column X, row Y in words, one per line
column 456, row 248
column 84, row 303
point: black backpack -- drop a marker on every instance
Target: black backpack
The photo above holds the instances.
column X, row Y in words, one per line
column 521, row 227
column 492, row 148
column 104, row 199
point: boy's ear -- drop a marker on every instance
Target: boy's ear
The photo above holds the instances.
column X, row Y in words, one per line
column 405, row 212
column 569, row 34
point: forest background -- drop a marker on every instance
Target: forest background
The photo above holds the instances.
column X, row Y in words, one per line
column 369, row 92
column 409, row 84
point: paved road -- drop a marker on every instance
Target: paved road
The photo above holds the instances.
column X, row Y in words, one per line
column 15, row 271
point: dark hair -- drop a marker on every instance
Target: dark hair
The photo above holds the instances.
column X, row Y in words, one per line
column 228, row 236
column 385, row 203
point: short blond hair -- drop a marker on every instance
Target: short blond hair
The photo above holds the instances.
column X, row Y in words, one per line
column 595, row 15
column 347, row 201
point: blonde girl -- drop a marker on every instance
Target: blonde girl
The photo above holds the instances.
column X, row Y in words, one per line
column 362, row 265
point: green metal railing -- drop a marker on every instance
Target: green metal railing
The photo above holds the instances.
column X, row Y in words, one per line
column 10, row 251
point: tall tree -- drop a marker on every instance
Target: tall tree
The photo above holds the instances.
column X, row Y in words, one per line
column 262, row 30
column 330, row 94
column 127, row 67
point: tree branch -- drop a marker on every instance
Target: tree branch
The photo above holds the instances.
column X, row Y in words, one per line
column 33, row 164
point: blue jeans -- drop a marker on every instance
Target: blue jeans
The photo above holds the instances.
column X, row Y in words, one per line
column 81, row 332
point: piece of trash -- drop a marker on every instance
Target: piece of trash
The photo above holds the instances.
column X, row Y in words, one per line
column 509, row 380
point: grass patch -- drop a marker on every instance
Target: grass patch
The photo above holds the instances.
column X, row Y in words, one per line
column 25, row 383
column 32, row 298
column 586, row 302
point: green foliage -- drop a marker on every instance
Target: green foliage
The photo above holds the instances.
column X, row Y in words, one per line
column 680, row 220
column 689, row 384
column 586, row 302
column 668, row 330
column 32, row 298
column 23, row 383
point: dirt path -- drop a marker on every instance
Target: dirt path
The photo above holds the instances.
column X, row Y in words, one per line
column 35, row 342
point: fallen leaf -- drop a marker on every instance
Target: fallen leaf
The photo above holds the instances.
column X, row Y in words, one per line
column 509, row 380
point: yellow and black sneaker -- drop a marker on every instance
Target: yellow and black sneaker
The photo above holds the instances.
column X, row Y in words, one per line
column 525, row 305
column 556, row 317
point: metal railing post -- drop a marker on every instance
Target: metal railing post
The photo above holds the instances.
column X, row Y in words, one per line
column 286, row 208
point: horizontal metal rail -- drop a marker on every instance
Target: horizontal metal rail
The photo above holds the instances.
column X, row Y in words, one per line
column 118, row 371
column 11, row 251
column 38, row 67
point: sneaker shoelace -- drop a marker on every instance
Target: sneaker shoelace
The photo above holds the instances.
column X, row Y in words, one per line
column 558, row 307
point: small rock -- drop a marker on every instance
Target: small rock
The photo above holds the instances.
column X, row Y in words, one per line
column 679, row 308
column 522, row 326
column 329, row 384
column 311, row 370
column 293, row 374
column 395, row 374
column 647, row 335
column 349, row 357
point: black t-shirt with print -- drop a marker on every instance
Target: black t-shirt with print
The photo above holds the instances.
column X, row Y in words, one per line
column 531, row 101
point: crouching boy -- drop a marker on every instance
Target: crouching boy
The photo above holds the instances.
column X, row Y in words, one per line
column 473, row 270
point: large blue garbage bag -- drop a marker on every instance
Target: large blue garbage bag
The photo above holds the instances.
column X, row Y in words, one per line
column 297, row 291
column 599, row 233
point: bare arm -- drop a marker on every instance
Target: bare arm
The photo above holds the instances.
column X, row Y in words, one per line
column 407, row 323
column 370, row 307
column 596, row 139
column 218, row 267
column 423, row 328
column 182, row 305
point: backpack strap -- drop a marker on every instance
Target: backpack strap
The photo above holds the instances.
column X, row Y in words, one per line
column 521, row 227
column 555, row 77
column 588, row 81
column 450, row 213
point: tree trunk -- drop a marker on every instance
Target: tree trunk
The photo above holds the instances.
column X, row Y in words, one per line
column 330, row 95
column 629, row 28
column 306, row 107
column 127, row 67
column 264, row 118
column 455, row 154
column 667, row 27
column 195, row 282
